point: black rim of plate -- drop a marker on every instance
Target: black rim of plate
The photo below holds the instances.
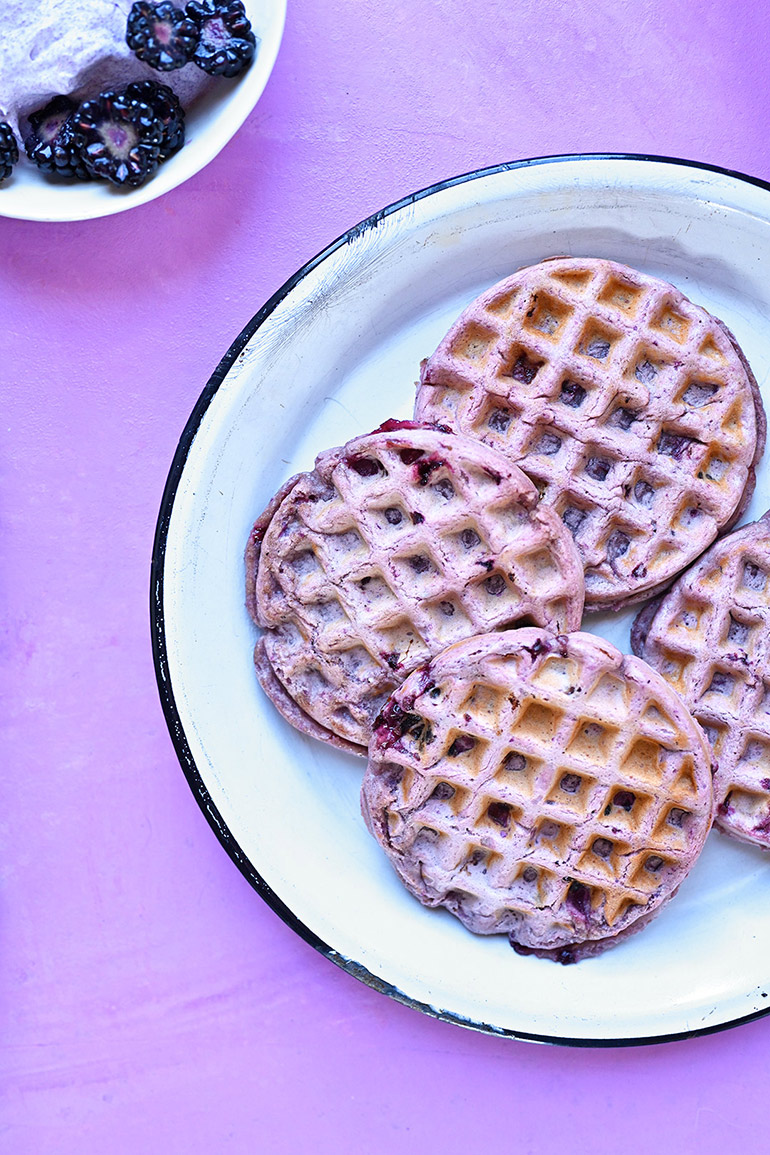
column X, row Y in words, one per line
column 160, row 655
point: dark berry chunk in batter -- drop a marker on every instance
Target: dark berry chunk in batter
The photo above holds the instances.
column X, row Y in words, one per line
column 572, row 394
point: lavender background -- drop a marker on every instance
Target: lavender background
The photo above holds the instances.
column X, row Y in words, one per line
column 149, row 1000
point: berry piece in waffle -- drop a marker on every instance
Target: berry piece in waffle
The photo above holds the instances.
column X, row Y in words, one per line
column 394, row 546
column 546, row 787
column 633, row 409
column 709, row 637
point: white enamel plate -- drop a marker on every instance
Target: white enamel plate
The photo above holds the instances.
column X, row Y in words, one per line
column 333, row 354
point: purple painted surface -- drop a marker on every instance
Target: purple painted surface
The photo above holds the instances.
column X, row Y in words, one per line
column 150, row 1001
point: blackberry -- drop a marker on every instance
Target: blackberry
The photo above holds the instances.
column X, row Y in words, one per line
column 161, row 35
column 227, row 43
column 118, row 139
column 9, row 150
column 49, row 143
column 165, row 104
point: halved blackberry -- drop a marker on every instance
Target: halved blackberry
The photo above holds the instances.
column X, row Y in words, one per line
column 164, row 102
column 118, row 139
column 9, row 149
column 49, row 143
column 227, row 43
column 161, row 35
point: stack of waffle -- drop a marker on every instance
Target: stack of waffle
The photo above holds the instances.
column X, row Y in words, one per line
column 582, row 434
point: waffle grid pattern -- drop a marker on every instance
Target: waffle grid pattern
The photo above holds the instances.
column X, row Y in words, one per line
column 394, row 547
column 628, row 405
column 710, row 639
column 555, row 797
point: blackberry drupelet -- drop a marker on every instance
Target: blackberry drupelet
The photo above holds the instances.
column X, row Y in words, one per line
column 161, row 35
column 119, row 139
column 226, row 42
column 165, row 104
column 9, row 150
column 49, row 143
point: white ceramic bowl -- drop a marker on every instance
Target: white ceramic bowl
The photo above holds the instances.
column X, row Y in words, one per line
column 211, row 122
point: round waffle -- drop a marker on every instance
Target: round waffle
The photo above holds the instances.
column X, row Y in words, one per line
column 633, row 409
column 709, row 637
column 547, row 787
column 396, row 545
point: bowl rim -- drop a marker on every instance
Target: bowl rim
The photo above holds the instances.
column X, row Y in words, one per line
column 157, row 616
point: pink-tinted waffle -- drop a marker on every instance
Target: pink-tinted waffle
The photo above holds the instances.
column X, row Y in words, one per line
column 394, row 546
column 709, row 637
column 550, row 788
column 634, row 410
